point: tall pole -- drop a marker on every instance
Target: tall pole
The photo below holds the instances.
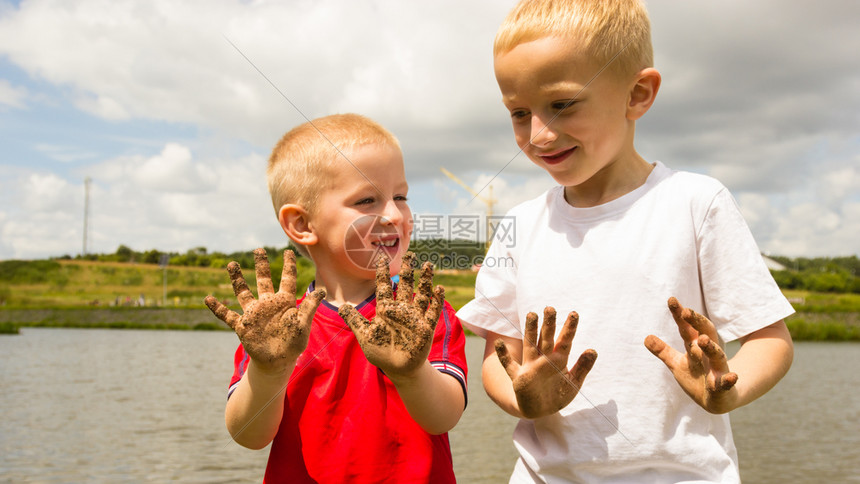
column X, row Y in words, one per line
column 87, row 182
column 163, row 261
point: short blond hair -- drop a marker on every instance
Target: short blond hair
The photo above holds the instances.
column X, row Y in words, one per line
column 605, row 29
column 302, row 159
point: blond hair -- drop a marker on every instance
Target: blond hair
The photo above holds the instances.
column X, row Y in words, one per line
column 302, row 159
column 305, row 156
column 603, row 28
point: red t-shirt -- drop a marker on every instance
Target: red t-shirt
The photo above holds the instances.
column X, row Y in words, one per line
column 343, row 418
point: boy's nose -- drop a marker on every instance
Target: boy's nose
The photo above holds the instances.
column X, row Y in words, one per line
column 391, row 214
column 541, row 134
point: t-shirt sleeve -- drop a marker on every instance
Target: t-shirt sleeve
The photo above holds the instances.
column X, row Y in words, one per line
column 240, row 365
column 448, row 353
column 494, row 307
column 739, row 292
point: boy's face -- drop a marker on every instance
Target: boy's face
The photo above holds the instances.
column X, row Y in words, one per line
column 570, row 127
column 363, row 213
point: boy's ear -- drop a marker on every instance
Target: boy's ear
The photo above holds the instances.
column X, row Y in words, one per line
column 643, row 93
column 295, row 221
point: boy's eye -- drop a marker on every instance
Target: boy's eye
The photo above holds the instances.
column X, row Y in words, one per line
column 519, row 113
column 559, row 105
column 400, row 198
column 364, row 201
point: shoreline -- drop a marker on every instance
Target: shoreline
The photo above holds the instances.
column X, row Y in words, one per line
column 803, row 326
column 113, row 318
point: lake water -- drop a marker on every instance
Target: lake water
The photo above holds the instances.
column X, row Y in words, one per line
column 147, row 406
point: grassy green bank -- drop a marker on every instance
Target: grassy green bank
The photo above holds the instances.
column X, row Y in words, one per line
column 73, row 293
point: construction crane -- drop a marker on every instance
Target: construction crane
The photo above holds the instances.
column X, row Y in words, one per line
column 488, row 200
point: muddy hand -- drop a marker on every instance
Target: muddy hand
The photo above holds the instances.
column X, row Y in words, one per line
column 273, row 331
column 542, row 383
column 702, row 369
column 398, row 339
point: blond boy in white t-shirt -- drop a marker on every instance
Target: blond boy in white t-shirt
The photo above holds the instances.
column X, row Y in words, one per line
column 608, row 247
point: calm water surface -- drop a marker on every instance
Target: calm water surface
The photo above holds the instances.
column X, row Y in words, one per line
column 147, row 406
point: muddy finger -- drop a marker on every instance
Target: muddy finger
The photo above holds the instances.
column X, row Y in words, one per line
column 425, row 287
column 352, row 317
column 661, row 350
column 223, row 313
column 407, row 278
column 264, row 275
column 511, row 367
column 679, row 313
column 583, row 365
column 383, row 278
column 700, row 323
column 568, row 331
column 716, row 356
column 288, row 278
column 437, row 304
column 547, row 331
column 530, row 351
column 726, row 382
column 309, row 306
column 240, row 287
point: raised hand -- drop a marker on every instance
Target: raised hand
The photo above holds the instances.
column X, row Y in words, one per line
column 273, row 331
column 702, row 369
column 542, row 383
column 399, row 338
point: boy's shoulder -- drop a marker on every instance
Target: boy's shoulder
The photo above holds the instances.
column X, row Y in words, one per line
column 687, row 180
column 696, row 190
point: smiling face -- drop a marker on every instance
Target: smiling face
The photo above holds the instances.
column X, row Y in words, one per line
column 362, row 212
column 577, row 127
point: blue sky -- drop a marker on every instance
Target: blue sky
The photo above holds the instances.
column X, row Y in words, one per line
column 174, row 126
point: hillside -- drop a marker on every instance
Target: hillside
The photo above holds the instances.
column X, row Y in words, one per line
column 115, row 294
column 88, row 293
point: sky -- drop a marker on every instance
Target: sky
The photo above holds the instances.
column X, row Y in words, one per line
column 171, row 109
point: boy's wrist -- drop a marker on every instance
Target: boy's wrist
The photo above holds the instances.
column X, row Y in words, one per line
column 408, row 378
column 277, row 373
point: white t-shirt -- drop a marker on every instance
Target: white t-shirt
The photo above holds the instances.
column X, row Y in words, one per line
column 679, row 234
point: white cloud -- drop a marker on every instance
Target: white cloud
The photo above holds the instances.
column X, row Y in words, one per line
column 40, row 216
column 168, row 60
column 48, row 193
column 757, row 94
column 64, row 154
column 103, row 106
column 836, row 186
column 810, row 230
column 172, row 171
column 169, row 202
column 12, row 96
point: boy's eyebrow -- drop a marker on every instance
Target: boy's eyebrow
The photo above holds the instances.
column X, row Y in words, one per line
column 301, row 113
column 553, row 118
column 560, row 87
column 566, row 86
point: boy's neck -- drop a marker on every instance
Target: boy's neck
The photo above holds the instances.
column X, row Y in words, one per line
column 610, row 183
column 342, row 290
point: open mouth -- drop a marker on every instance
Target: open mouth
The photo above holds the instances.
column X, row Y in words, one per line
column 557, row 157
column 389, row 245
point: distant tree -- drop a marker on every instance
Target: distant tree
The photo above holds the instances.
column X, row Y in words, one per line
column 124, row 253
column 151, row 256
